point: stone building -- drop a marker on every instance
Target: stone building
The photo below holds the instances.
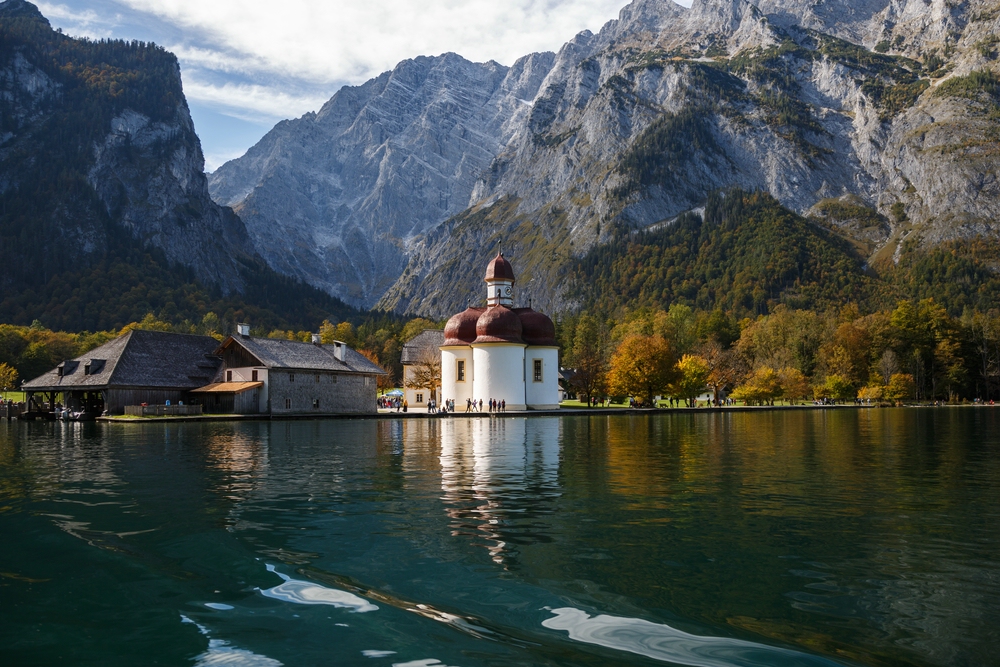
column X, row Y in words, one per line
column 501, row 352
column 290, row 378
column 422, row 352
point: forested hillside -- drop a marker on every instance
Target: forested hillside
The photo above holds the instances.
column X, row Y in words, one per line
column 747, row 254
column 104, row 209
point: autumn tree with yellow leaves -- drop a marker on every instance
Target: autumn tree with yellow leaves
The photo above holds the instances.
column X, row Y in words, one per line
column 642, row 366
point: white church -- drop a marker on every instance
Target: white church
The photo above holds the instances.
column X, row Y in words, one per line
column 501, row 352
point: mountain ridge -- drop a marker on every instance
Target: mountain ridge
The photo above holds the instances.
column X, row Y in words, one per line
column 104, row 207
column 635, row 124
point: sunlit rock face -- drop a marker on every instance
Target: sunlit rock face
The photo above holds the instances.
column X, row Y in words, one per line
column 334, row 197
column 395, row 189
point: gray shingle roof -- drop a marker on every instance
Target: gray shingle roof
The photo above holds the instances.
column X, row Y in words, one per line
column 138, row 359
column 428, row 342
column 278, row 353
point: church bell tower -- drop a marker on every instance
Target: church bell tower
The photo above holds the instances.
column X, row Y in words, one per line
column 500, row 282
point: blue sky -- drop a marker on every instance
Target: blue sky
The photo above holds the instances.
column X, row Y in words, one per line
column 247, row 64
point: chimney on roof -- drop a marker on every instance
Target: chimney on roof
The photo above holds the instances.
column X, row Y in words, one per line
column 317, row 339
column 338, row 350
column 243, row 329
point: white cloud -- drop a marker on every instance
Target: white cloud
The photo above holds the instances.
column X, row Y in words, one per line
column 251, row 102
column 86, row 23
column 264, row 61
column 215, row 159
column 352, row 40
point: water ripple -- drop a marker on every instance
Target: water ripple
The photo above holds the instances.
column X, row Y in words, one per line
column 305, row 592
column 663, row 642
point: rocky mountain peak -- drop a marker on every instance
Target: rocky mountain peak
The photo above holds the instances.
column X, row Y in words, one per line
column 861, row 102
column 21, row 9
column 332, row 197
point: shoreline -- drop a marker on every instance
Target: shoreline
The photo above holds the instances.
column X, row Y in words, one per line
column 565, row 412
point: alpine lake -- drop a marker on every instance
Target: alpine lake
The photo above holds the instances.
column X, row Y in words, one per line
column 784, row 537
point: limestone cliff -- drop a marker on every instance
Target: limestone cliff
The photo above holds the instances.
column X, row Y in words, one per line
column 97, row 142
column 640, row 122
column 396, row 189
column 336, row 197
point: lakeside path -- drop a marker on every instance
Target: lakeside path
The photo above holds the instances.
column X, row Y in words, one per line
column 423, row 414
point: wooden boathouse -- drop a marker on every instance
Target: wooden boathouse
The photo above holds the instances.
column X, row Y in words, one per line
column 150, row 367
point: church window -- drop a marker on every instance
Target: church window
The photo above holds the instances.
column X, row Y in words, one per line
column 461, row 370
column 537, row 369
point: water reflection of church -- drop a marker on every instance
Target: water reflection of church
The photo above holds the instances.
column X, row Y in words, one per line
column 494, row 470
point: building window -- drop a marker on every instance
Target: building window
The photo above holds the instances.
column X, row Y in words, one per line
column 333, row 379
column 288, row 404
column 461, row 370
column 291, row 377
column 317, row 378
column 315, row 404
column 254, row 376
column 537, row 369
column 420, row 398
column 229, row 376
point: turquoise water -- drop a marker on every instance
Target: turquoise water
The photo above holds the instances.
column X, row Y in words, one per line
column 775, row 538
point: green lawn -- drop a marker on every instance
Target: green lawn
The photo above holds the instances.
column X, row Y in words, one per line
column 580, row 404
column 16, row 396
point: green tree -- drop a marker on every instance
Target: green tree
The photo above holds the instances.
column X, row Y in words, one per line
column 839, row 387
column 414, row 328
column 691, row 378
column 211, row 325
column 761, row 388
column 148, row 323
column 900, row 388
column 35, row 360
column 718, row 326
column 589, row 357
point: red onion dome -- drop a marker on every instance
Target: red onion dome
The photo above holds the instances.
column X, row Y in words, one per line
column 536, row 328
column 461, row 328
column 498, row 324
column 499, row 269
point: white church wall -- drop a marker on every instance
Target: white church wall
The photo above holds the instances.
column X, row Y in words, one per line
column 543, row 394
column 451, row 387
column 497, row 376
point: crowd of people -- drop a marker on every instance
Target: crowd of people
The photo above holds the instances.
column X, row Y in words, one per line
column 390, row 403
column 493, row 405
column 400, row 404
